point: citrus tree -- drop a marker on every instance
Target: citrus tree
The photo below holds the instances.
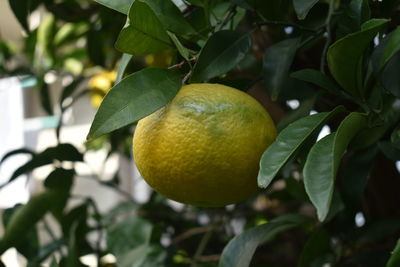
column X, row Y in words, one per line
column 323, row 200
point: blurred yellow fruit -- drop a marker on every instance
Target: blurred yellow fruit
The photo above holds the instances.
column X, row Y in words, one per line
column 204, row 147
column 99, row 85
column 158, row 60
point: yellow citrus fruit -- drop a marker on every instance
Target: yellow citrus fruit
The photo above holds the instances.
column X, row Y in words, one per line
column 204, row 147
column 100, row 84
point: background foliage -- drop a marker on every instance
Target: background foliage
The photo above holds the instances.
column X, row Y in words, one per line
column 339, row 59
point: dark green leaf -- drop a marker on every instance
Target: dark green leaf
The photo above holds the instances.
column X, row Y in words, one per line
column 21, row 10
column 222, row 52
column 135, row 97
column 389, row 150
column 24, row 219
column 323, row 161
column 95, row 47
column 137, row 229
column 45, row 98
column 345, row 56
column 240, row 250
column 302, row 111
column 118, row 5
column 276, row 63
column 317, row 78
column 70, row 89
column 125, row 59
column 183, row 51
column 353, row 16
column 277, row 10
column 53, row 263
column 15, row 152
column 44, row 252
column 170, row 16
column 302, row 7
column 395, row 258
column 144, row 34
column 355, row 176
column 288, row 142
column 60, row 179
column 316, row 246
column 395, row 137
column 389, row 78
column 62, row 152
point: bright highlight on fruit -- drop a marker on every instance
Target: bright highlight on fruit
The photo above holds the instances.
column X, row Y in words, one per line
column 204, row 147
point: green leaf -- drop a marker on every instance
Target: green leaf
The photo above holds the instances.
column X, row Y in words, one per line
column 302, row 7
column 137, row 229
column 240, row 249
column 389, row 78
column 170, row 16
column 394, row 259
column 22, row 9
column 44, row 252
column 345, row 56
column 389, row 150
column 316, row 77
column 276, row 63
column 118, row 5
column 323, row 161
column 353, row 16
column 135, row 97
column 277, row 10
column 394, row 138
column 288, row 142
column 303, row 110
column 24, row 219
column 62, row 152
column 95, row 47
column 45, row 98
column 70, row 89
column 125, row 59
column 183, row 51
column 316, row 246
column 222, row 52
column 144, row 34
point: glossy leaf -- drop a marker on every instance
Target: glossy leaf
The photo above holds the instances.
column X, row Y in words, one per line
column 118, row 5
column 316, row 77
column 240, row 249
column 276, row 63
column 62, row 152
column 288, row 142
column 24, row 219
column 144, row 34
column 389, row 78
column 323, row 161
column 135, row 97
column 170, row 16
column 345, row 56
column 316, row 246
column 222, row 52
column 302, row 7
column 125, row 59
column 183, row 51
column 392, row 47
column 394, row 259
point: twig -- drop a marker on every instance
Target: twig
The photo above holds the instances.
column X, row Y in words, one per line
column 192, row 232
column 228, row 15
column 200, row 249
column 186, row 77
column 329, row 33
column 180, row 64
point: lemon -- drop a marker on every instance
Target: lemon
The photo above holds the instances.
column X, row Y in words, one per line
column 204, row 147
column 100, row 84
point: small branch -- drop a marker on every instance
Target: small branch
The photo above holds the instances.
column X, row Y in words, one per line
column 187, row 76
column 228, row 15
column 201, row 247
column 180, row 64
column 192, row 232
column 329, row 35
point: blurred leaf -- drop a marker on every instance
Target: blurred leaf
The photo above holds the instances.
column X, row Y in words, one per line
column 145, row 34
column 134, row 257
column 288, row 142
column 2, row 264
column 389, row 77
column 62, row 152
column 15, row 152
column 21, row 10
column 277, row 10
column 294, row 115
column 44, row 252
column 24, row 219
column 45, row 35
column 129, row 234
column 95, row 47
column 118, row 5
column 170, row 16
column 53, row 263
column 316, row 77
column 302, row 7
column 135, row 97
column 395, row 257
column 240, row 249
column 69, row 32
column 222, row 52
column 316, row 246
column 390, row 152
column 276, row 63
column 70, row 89
column 355, row 176
column 353, row 16
column 323, row 161
column 345, row 56
column 125, row 59
column 45, row 98
column 394, row 138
